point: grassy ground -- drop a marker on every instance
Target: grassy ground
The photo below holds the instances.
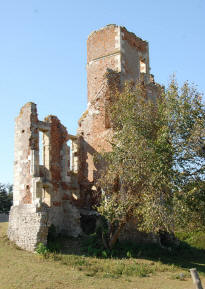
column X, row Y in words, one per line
column 152, row 269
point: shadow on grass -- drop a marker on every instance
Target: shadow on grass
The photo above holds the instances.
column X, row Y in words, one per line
column 183, row 255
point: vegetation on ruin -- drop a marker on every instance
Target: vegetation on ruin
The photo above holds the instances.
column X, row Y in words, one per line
column 6, row 198
column 155, row 173
column 74, row 267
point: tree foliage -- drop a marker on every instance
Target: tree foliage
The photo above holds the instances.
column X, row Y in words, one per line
column 6, row 198
column 155, row 171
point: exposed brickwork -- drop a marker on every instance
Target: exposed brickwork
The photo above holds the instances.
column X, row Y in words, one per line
column 26, row 140
column 102, row 42
column 95, row 130
column 27, row 199
column 57, row 191
column 65, row 197
column 133, row 40
column 58, row 137
column 103, row 51
column 36, row 186
column 56, row 204
column 115, row 55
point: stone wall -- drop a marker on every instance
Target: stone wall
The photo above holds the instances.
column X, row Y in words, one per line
column 25, row 152
column 27, row 226
column 46, row 190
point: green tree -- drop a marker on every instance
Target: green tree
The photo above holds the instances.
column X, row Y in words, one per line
column 157, row 160
column 6, row 197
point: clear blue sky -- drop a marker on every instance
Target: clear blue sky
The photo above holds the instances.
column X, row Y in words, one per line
column 43, row 53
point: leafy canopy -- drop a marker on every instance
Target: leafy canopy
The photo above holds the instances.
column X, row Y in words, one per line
column 6, row 198
column 155, row 171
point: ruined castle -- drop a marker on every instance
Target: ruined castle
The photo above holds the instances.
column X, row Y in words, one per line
column 54, row 189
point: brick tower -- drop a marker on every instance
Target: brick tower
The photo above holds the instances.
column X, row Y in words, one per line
column 113, row 54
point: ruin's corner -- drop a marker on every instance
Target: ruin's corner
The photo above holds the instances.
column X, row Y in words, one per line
column 52, row 178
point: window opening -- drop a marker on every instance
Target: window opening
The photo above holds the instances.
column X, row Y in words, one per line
column 142, row 66
column 46, row 150
column 41, row 148
column 69, row 160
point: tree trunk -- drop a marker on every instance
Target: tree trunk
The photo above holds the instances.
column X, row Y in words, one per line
column 105, row 242
column 115, row 236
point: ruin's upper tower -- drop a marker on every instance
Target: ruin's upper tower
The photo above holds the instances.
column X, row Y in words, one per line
column 113, row 47
column 114, row 55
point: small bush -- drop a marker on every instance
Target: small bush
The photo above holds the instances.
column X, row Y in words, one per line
column 42, row 249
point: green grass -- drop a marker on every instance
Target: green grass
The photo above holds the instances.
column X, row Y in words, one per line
column 77, row 267
column 193, row 239
column 188, row 253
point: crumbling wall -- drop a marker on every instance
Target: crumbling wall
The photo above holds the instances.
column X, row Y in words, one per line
column 103, row 51
column 56, row 191
column 114, row 55
column 134, row 56
column 65, row 189
column 25, row 154
column 27, row 221
column 95, row 130
column 43, row 193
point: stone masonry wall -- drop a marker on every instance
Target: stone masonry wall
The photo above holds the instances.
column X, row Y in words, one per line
column 26, row 144
column 27, row 226
column 43, row 193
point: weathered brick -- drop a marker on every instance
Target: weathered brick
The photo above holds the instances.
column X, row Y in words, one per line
column 55, row 191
